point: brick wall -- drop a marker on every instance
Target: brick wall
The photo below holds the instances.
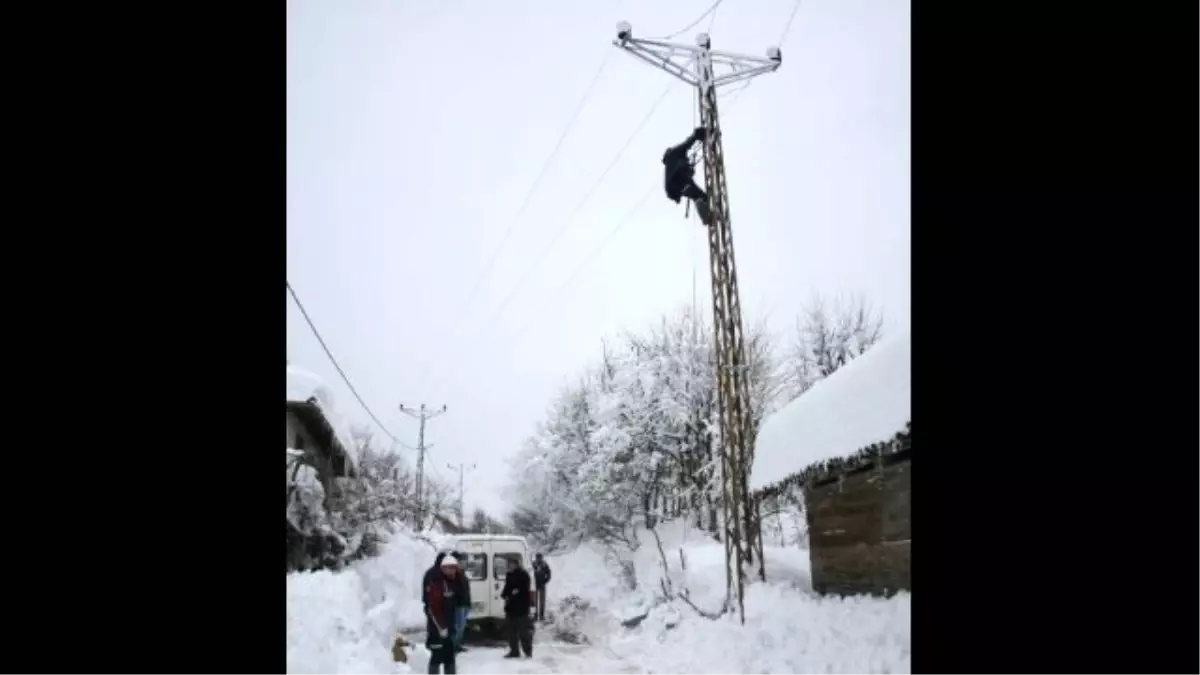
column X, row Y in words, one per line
column 860, row 531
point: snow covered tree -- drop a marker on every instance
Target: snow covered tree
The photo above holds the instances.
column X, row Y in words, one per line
column 828, row 336
column 634, row 440
column 327, row 531
column 479, row 521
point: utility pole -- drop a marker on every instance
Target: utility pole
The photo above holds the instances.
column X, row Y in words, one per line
column 460, row 469
column 422, row 416
column 698, row 66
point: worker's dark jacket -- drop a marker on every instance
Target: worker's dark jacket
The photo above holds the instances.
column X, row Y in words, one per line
column 463, row 588
column 679, row 171
column 516, row 593
column 541, row 574
column 431, row 574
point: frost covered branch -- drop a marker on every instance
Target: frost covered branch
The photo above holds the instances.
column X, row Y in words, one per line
column 668, row 588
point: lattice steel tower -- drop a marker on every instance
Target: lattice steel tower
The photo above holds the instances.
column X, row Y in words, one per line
column 698, row 66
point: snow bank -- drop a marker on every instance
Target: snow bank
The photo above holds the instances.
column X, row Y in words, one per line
column 344, row 622
column 865, row 401
column 587, row 574
column 787, row 630
column 303, row 385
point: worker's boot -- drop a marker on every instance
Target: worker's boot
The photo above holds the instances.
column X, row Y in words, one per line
column 703, row 211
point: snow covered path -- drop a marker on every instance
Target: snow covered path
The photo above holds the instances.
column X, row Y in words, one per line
column 344, row 622
column 549, row 656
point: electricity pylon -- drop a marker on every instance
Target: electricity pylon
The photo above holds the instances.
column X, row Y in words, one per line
column 708, row 70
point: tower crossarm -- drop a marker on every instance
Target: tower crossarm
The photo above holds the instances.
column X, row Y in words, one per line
column 680, row 60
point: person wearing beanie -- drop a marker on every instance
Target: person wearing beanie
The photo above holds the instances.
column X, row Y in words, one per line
column 441, row 605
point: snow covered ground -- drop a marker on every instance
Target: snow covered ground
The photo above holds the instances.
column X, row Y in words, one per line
column 344, row 622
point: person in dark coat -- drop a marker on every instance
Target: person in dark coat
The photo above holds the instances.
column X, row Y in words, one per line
column 516, row 609
column 464, row 603
column 679, row 179
column 541, row 577
column 431, row 575
column 441, row 604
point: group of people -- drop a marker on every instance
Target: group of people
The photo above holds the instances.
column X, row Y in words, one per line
column 446, row 592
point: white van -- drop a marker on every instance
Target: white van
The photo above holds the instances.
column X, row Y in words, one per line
column 486, row 564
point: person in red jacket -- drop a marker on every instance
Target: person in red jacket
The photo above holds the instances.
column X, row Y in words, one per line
column 441, row 603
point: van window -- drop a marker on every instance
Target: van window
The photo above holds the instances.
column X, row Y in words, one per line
column 500, row 563
column 476, row 566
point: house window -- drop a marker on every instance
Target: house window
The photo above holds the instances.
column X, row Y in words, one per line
column 476, row 566
column 500, row 563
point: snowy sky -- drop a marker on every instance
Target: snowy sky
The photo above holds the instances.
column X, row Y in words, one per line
column 416, row 129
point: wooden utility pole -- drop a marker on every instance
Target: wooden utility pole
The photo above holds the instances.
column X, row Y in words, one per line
column 460, row 469
column 421, row 415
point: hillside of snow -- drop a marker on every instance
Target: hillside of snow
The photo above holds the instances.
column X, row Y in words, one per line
column 344, row 622
column 865, row 401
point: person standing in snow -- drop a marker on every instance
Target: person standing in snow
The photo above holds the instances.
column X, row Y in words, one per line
column 464, row 604
column 441, row 604
column 541, row 577
column 516, row 610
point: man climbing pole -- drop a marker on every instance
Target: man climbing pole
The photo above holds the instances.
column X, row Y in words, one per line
column 679, row 175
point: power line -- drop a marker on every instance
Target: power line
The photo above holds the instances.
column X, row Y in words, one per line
column 712, row 18
column 487, row 268
column 787, row 27
column 693, row 24
column 334, row 361
column 588, row 261
column 531, row 318
column 578, row 207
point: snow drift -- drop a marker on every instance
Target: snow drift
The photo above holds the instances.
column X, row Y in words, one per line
column 788, row 629
column 344, row 622
column 865, row 401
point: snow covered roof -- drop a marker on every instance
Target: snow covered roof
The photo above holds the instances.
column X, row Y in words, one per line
column 866, row 401
column 304, row 386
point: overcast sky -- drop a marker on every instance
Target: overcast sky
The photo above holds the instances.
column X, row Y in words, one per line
column 415, row 130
